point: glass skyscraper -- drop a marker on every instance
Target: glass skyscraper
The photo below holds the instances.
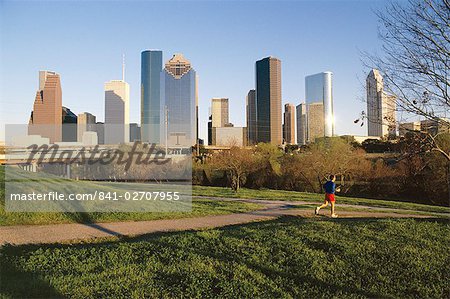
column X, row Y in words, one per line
column 151, row 67
column 319, row 90
column 178, row 101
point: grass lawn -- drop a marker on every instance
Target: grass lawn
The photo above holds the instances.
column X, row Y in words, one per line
column 200, row 207
column 312, row 197
column 290, row 257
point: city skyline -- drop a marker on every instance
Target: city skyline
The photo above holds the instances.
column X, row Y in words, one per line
column 342, row 58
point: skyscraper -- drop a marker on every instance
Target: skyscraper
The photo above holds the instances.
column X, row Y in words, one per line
column 151, row 67
column 69, row 125
column 289, row 124
column 135, row 132
column 219, row 112
column 85, row 123
column 179, row 98
column 381, row 107
column 319, row 90
column 251, row 116
column 117, row 112
column 301, row 124
column 268, row 100
column 315, row 119
column 46, row 117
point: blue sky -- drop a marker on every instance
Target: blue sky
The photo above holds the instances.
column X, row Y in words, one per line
column 84, row 42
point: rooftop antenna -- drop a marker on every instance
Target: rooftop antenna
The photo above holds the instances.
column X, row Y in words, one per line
column 123, row 67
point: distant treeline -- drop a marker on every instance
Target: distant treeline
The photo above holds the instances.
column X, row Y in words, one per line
column 411, row 174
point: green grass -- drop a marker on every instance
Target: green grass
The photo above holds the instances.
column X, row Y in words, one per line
column 199, row 206
column 312, row 197
column 291, row 257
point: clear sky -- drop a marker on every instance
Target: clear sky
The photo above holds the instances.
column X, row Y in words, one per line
column 84, row 42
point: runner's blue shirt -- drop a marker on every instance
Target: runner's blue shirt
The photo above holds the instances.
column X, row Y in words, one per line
column 330, row 187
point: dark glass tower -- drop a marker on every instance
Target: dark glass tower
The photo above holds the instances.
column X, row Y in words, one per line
column 268, row 100
column 251, row 117
column 151, row 67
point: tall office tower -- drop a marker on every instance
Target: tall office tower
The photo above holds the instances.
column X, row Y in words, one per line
column 85, row 123
column 100, row 129
column 151, row 67
column 210, row 129
column 315, row 119
column 319, row 89
column 251, row 117
column 69, row 125
column 179, row 99
column 135, row 132
column 46, row 117
column 301, row 124
column 289, row 124
column 117, row 112
column 380, row 107
column 219, row 112
column 197, row 138
column 268, row 100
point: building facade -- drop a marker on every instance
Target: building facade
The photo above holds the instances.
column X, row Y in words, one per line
column 69, row 125
column 435, row 126
column 319, row 90
column 289, row 124
column 301, row 124
column 219, row 112
column 117, row 112
column 151, row 67
column 179, row 101
column 229, row 136
column 315, row 118
column 135, row 132
column 250, row 102
column 85, row 123
column 268, row 101
column 46, row 117
column 381, row 115
column 404, row 128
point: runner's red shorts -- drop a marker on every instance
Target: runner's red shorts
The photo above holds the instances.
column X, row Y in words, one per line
column 329, row 197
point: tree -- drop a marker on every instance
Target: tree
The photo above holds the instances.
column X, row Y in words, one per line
column 237, row 163
column 415, row 64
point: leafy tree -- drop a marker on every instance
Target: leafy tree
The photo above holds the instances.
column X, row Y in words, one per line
column 237, row 163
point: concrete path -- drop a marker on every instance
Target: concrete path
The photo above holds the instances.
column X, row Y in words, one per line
column 55, row 233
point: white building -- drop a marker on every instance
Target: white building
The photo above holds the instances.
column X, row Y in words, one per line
column 381, row 107
column 117, row 112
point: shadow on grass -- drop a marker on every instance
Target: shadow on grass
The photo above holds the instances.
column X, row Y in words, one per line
column 19, row 283
column 83, row 217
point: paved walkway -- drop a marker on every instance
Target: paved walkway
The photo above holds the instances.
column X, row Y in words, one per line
column 53, row 233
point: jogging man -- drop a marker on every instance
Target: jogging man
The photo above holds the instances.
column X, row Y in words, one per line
column 330, row 189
